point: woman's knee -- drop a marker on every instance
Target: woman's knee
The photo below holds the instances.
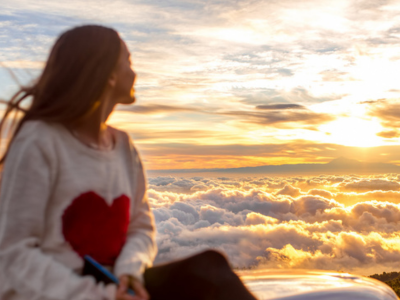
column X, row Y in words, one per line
column 210, row 258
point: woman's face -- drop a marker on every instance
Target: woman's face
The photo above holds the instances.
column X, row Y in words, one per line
column 123, row 91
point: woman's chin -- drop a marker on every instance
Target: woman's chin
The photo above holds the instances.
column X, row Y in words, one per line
column 132, row 99
column 127, row 100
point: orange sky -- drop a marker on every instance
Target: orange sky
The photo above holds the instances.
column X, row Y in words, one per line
column 224, row 84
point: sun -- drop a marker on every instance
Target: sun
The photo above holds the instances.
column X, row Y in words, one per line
column 353, row 132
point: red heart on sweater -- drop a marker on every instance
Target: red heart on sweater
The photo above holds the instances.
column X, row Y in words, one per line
column 94, row 228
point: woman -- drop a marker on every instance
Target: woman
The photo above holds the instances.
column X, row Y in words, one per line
column 74, row 186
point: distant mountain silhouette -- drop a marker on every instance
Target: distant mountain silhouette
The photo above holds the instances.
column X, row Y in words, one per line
column 344, row 161
column 339, row 165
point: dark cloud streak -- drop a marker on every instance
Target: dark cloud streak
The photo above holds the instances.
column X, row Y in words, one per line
column 155, row 109
column 280, row 106
column 277, row 117
column 389, row 113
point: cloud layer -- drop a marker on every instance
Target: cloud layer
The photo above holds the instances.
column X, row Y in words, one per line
column 348, row 223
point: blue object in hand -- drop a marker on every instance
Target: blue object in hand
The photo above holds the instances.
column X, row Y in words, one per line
column 100, row 273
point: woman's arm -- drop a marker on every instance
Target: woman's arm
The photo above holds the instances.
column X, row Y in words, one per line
column 27, row 180
column 140, row 248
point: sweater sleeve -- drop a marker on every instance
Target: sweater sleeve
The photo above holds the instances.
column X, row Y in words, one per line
column 140, row 248
column 26, row 185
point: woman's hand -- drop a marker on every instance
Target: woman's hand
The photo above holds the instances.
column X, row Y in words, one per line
column 126, row 281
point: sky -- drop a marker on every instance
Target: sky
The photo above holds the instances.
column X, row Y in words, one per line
column 227, row 84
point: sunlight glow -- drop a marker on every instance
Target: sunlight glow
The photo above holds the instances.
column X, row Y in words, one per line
column 202, row 79
column 354, row 132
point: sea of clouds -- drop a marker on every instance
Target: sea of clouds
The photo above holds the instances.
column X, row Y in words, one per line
column 346, row 223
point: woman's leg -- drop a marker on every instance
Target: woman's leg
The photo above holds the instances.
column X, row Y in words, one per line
column 205, row 276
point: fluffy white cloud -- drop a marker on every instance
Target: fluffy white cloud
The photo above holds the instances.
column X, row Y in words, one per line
column 370, row 185
column 290, row 191
column 293, row 225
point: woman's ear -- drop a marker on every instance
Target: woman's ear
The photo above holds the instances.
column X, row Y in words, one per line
column 112, row 80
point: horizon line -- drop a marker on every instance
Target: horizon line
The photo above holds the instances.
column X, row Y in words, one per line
column 213, row 170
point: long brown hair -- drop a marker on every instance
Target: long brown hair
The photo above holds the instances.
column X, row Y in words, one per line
column 73, row 79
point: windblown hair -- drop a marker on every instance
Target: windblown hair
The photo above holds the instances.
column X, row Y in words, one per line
column 73, row 79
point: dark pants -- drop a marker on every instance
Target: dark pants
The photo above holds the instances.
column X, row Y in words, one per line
column 205, row 276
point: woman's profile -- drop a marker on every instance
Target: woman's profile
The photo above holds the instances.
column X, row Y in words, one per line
column 73, row 186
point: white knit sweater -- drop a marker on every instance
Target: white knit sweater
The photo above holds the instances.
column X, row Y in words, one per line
column 60, row 200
